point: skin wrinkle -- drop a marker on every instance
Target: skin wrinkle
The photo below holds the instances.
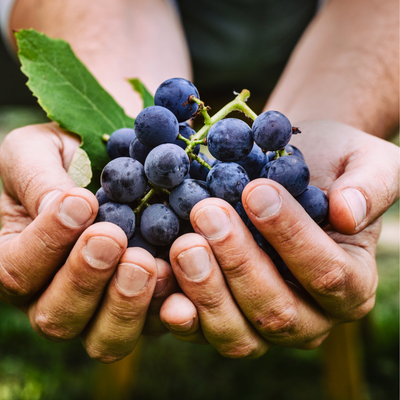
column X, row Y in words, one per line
column 16, row 290
column 281, row 321
column 82, row 284
column 45, row 327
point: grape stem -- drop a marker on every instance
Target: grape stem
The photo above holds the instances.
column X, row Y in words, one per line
column 144, row 201
column 200, row 161
column 281, row 153
column 238, row 104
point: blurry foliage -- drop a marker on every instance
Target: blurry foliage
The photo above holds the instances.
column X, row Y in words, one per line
column 32, row 368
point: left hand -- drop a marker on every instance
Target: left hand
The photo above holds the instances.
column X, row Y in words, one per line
column 234, row 297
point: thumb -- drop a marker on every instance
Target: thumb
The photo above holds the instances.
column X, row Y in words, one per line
column 33, row 163
column 367, row 188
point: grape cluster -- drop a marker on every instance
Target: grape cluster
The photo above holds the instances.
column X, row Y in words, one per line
column 157, row 173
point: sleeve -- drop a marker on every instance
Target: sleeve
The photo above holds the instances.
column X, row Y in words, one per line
column 5, row 11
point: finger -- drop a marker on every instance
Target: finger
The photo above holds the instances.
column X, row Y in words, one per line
column 38, row 174
column 367, row 188
column 28, row 261
column 342, row 283
column 165, row 286
column 66, row 306
column 201, row 279
column 119, row 322
column 180, row 316
column 275, row 309
column 13, row 216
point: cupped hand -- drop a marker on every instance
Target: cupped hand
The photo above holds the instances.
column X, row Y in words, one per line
column 70, row 277
column 233, row 296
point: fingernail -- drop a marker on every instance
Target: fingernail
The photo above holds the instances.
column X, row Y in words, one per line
column 131, row 278
column 264, row 201
column 48, row 199
column 182, row 327
column 195, row 263
column 75, row 211
column 357, row 204
column 161, row 285
column 101, row 252
column 213, row 222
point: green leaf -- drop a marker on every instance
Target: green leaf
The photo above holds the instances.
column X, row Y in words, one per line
column 70, row 95
column 79, row 169
column 148, row 99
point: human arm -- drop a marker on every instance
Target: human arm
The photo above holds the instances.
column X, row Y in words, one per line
column 116, row 40
column 338, row 84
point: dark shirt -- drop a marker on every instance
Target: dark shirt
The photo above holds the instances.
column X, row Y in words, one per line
column 234, row 44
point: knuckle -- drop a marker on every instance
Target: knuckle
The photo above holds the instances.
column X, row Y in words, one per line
column 209, row 301
column 360, row 311
column 280, row 322
column 86, row 286
column 249, row 349
column 102, row 355
column 45, row 326
column 239, row 262
column 291, row 234
column 14, row 286
column 46, row 242
column 332, row 282
column 125, row 315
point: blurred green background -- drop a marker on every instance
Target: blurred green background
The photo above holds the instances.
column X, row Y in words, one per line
column 365, row 353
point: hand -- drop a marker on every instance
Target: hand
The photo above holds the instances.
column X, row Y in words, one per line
column 70, row 277
column 234, row 297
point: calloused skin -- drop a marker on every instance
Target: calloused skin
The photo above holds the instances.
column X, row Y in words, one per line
column 235, row 299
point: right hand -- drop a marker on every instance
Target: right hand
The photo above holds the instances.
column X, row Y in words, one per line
column 71, row 278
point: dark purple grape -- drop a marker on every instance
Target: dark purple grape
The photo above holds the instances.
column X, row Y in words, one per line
column 198, row 171
column 184, row 197
column 123, row 180
column 186, row 131
column 294, row 151
column 118, row 144
column 242, row 213
column 156, row 125
column 138, row 151
column 227, row 181
column 315, row 202
column 174, row 94
column 269, row 250
column 262, row 242
column 291, row 172
column 253, row 162
column 272, row 130
column 101, row 197
column 167, row 165
column 137, row 240
column 118, row 214
column 159, row 225
column 230, row 140
column 185, row 227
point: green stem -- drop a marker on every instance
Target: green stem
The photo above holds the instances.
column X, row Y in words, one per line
column 105, row 138
column 239, row 104
column 144, row 202
column 203, row 110
column 281, row 153
column 200, row 161
column 187, row 141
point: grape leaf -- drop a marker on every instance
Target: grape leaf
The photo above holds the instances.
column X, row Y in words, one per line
column 70, row 95
column 148, row 99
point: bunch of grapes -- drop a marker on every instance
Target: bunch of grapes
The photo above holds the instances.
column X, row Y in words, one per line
column 157, row 173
